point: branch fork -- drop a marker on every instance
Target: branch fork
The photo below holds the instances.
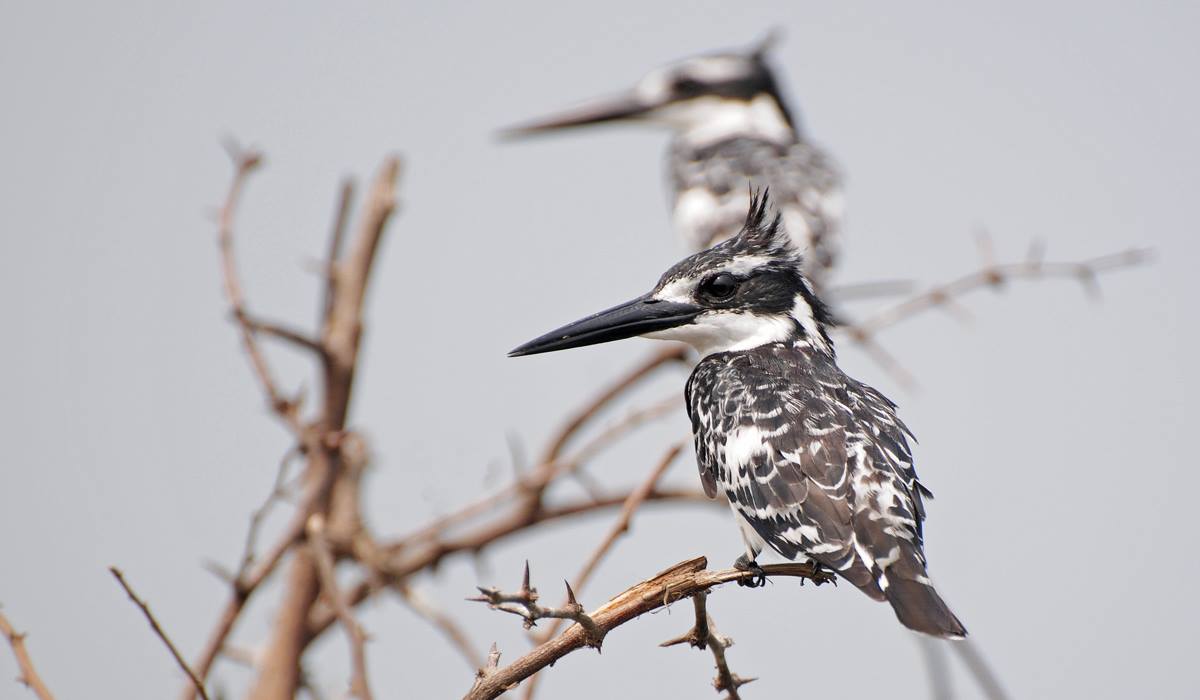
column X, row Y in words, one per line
column 524, row 604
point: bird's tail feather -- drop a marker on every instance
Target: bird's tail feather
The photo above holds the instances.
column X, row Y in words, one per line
column 920, row 608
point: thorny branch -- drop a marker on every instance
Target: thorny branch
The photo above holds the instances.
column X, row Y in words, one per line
column 683, row 580
column 335, row 457
column 29, row 675
column 704, row 635
column 158, row 630
column 524, row 603
column 990, row 274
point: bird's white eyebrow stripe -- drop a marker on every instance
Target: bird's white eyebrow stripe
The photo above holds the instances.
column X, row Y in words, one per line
column 680, row 290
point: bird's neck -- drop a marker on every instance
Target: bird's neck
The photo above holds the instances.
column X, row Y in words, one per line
column 713, row 119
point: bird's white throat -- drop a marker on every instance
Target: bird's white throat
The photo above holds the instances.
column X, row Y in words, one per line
column 706, row 120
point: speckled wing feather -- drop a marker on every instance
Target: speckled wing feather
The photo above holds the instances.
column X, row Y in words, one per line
column 711, row 186
column 819, row 466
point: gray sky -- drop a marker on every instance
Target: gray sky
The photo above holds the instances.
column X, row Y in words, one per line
column 1052, row 429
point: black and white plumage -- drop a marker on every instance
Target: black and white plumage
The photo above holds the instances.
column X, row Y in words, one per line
column 814, row 464
column 733, row 131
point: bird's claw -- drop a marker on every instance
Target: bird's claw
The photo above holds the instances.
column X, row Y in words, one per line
column 758, row 578
column 821, row 575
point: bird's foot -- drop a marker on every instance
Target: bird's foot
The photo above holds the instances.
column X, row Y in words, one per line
column 822, row 574
column 745, row 563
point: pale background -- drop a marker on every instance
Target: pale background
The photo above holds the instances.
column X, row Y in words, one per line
column 1055, row 431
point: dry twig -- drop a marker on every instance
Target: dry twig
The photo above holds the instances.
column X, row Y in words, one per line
column 524, row 603
column 990, row 274
column 704, row 635
column 323, row 554
column 29, row 675
column 996, row 276
column 399, row 567
column 680, row 581
column 158, row 630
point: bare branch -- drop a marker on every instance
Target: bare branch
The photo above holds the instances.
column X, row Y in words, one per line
column 704, row 635
column 245, row 162
column 945, row 296
column 260, row 513
column 323, row 554
column 158, row 630
column 524, row 603
column 29, row 675
column 249, row 580
column 337, row 235
column 407, row 561
column 332, row 477
column 680, row 581
column 537, row 482
column 280, row 332
column 995, row 276
column 635, row 500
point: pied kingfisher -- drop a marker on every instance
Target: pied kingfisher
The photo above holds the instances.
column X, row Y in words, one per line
column 813, row 463
column 733, row 131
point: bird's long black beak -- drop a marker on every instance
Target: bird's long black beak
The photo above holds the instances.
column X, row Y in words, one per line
column 637, row 317
column 626, row 106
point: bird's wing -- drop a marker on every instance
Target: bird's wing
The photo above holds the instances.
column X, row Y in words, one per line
column 712, row 190
column 817, row 464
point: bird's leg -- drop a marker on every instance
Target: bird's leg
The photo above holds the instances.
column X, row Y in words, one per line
column 745, row 563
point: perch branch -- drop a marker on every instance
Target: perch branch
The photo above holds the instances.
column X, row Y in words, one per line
column 245, row 162
column 680, row 581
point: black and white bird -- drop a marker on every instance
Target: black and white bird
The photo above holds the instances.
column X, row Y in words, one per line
column 733, row 130
column 815, row 465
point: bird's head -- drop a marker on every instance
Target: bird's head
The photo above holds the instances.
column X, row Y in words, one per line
column 745, row 292
column 703, row 98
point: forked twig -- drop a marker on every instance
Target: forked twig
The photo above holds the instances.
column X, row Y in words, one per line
column 704, row 635
column 524, row 604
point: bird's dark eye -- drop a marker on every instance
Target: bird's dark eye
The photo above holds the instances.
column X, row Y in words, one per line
column 687, row 86
column 720, row 286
